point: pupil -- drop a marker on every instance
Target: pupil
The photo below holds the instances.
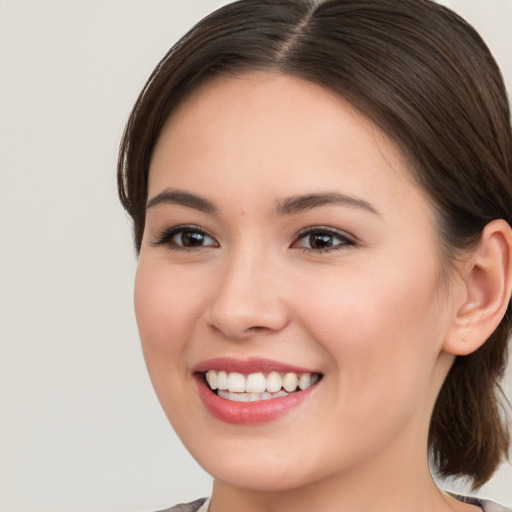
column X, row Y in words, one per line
column 192, row 238
column 320, row 241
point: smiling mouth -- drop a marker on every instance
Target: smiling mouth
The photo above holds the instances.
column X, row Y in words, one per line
column 254, row 387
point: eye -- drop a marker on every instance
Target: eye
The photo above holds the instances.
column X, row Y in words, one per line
column 322, row 239
column 185, row 237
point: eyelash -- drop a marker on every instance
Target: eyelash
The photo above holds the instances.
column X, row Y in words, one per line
column 166, row 238
column 345, row 240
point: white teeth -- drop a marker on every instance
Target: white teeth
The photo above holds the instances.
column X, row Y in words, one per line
column 290, row 381
column 238, row 397
column 305, row 381
column 211, row 378
column 222, row 380
column 274, row 382
column 256, row 386
column 250, row 397
column 236, row 382
column 255, row 383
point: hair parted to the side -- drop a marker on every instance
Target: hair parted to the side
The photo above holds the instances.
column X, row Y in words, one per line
column 428, row 80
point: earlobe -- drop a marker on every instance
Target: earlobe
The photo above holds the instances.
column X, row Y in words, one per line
column 488, row 285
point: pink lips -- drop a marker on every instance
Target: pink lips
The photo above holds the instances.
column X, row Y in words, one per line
column 246, row 366
column 247, row 413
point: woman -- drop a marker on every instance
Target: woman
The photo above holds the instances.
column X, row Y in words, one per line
column 321, row 196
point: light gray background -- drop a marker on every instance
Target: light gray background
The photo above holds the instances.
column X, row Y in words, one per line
column 80, row 428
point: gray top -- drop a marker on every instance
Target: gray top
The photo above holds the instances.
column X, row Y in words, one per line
column 187, row 507
column 485, row 505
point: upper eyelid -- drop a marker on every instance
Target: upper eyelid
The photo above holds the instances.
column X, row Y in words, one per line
column 164, row 236
column 346, row 240
column 326, row 229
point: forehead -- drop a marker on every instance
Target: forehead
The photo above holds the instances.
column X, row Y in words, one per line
column 272, row 97
column 266, row 135
column 259, row 115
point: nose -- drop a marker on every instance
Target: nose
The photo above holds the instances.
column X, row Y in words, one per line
column 248, row 300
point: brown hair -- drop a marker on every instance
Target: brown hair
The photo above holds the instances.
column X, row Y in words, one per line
column 428, row 80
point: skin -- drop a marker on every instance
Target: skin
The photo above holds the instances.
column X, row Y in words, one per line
column 372, row 314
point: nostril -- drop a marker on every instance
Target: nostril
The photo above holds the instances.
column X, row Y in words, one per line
column 257, row 329
column 241, row 333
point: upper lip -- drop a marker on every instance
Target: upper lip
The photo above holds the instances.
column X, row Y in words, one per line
column 247, row 366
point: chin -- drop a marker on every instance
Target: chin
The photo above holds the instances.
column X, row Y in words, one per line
column 257, row 478
column 258, row 469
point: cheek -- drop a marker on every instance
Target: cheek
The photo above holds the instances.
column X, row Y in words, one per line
column 167, row 307
column 380, row 329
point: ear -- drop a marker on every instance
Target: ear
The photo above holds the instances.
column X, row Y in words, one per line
column 487, row 278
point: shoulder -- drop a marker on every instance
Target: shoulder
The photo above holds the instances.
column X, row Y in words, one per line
column 485, row 505
column 189, row 507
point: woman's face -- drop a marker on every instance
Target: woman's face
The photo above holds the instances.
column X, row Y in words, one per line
column 285, row 235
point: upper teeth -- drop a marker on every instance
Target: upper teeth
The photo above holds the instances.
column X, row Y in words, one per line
column 259, row 382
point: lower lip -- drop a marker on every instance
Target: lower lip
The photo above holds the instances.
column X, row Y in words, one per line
column 249, row 413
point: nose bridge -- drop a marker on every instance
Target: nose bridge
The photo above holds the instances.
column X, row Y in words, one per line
column 247, row 299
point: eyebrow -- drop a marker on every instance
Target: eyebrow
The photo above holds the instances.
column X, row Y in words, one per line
column 298, row 204
column 181, row 198
column 287, row 206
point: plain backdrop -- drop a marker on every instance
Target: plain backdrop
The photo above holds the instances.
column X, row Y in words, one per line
column 80, row 427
